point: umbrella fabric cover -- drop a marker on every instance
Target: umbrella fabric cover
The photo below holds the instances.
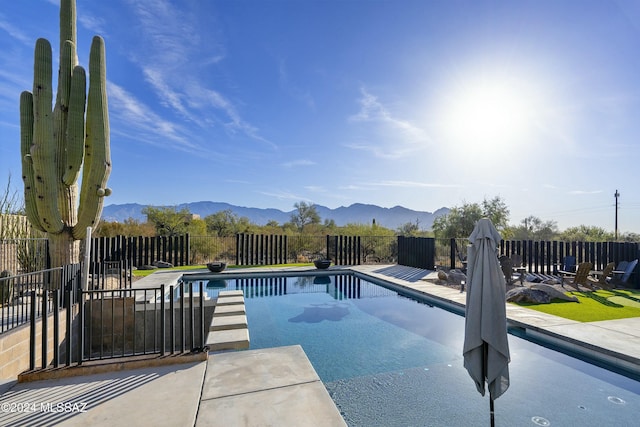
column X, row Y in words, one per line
column 486, row 348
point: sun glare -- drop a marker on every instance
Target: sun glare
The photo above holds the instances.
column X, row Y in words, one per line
column 495, row 114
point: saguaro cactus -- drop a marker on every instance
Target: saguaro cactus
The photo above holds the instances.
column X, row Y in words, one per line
column 56, row 144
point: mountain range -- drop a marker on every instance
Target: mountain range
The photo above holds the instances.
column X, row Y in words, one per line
column 356, row 213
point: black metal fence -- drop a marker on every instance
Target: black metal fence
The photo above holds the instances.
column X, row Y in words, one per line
column 109, row 275
column 121, row 323
column 247, row 249
column 544, row 256
column 26, row 297
column 142, row 250
column 416, row 252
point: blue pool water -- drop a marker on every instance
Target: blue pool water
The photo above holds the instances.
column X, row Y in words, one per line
column 388, row 360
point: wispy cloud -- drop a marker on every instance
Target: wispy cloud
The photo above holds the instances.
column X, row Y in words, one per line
column 388, row 135
column 15, row 32
column 133, row 114
column 284, row 195
column 581, row 192
column 175, row 58
column 301, row 162
column 291, row 88
column 372, row 110
column 412, row 184
column 315, row 189
column 92, row 23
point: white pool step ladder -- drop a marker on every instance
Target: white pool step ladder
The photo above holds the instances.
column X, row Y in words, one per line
column 229, row 329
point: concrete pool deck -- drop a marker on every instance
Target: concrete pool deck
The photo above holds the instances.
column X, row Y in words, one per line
column 264, row 387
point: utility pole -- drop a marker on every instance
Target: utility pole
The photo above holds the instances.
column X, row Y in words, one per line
column 616, row 195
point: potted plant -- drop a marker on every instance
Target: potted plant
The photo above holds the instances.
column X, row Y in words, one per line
column 322, row 264
column 217, row 266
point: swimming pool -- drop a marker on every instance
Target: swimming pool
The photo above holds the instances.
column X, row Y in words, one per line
column 389, row 360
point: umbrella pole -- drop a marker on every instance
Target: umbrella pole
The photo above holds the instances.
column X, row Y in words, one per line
column 493, row 421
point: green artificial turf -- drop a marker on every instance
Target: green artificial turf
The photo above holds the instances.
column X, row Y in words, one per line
column 594, row 306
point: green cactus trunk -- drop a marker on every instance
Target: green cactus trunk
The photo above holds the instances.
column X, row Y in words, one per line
column 57, row 143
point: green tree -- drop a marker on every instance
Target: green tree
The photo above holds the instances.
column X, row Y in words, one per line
column 460, row 221
column 411, row 229
column 585, row 233
column 227, row 223
column 305, row 214
column 222, row 223
column 130, row 227
column 629, row 237
column 533, row 228
column 197, row 227
column 168, row 221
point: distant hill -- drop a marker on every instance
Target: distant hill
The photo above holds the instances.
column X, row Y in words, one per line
column 357, row 213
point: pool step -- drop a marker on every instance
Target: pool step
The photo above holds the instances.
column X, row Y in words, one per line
column 222, row 323
column 229, row 329
column 232, row 339
column 229, row 310
column 230, row 300
column 235, row 293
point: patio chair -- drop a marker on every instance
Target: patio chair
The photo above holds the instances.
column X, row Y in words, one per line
column 580, row 277
column 567, row 266
column 506, row 263
column 462, row 257
column 622, row 273
column 518, row 268
column 603, row 278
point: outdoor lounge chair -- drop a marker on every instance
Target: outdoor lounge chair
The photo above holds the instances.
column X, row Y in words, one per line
column 604, row 276
column 518, row 269
column 567, row 266
column 580, row 277
column 506, row 263
column 462, row 257
column 622, row 273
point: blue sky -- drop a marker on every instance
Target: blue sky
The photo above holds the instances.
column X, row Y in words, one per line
column 422, row 104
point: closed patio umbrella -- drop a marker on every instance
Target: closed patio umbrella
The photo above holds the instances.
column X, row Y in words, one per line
column 486, row 348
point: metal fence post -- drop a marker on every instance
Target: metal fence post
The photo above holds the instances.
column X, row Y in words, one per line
column 32, row 333
column 162, row 321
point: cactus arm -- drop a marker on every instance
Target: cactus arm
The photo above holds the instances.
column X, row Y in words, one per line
column 66, row 196
column 26, row 139
column 60, row 111
column 43, row 149
column 97, row 155
column 68, row 31
column 75, row 127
